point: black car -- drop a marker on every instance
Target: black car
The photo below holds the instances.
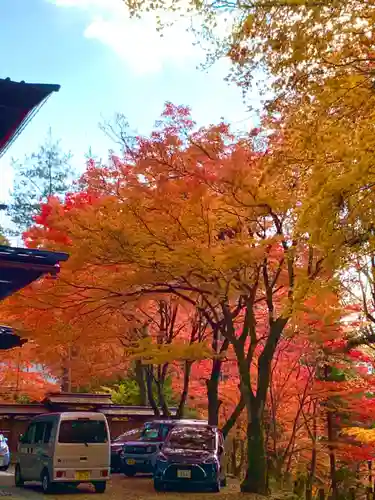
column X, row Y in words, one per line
column 139, row 454
column 191, row 456
column 117, row 446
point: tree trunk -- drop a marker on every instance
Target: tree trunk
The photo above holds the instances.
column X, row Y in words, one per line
column 65, row 378
column 370, row 481
column 150, row 394
column 185, row 390
column 140, row 379
column 213, row 383
column 332, row 456
column 227, row 427
column 311, row 475
column 66, row 375
column 213, row 392
column 331, row 436
column 161, row 397
column 256, row 474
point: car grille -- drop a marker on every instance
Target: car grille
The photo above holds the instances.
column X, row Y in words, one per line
column 140, row 449
column 197, row 474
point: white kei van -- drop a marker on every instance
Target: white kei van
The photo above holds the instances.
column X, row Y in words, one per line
column 71, row 447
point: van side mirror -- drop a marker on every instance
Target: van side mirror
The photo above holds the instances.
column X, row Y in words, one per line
column 221, row 449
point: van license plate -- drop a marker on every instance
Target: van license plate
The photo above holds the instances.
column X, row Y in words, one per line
column 130, row 461
column 83, row 476
column 186, row 474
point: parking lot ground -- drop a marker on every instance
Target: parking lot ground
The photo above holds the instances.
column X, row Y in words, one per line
column 119, row 488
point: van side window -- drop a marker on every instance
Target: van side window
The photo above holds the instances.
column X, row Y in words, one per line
column 39, row 432
column 28, row 437
column 47, row 432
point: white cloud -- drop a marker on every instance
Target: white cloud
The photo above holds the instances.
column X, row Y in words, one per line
column 136, row 41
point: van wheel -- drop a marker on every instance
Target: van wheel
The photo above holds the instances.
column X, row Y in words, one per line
column 18, row 479
column 46, row 483
column 100, row 487
column 223, row 482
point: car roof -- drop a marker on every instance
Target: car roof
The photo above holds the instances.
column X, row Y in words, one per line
column 180, row 421
column 70, row 415
column 211, row 427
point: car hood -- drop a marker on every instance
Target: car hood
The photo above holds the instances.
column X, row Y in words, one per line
column 117, row 445
column 180, row 454
column 142, row 443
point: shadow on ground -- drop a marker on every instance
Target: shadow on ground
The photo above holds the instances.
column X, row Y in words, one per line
column 120, row 487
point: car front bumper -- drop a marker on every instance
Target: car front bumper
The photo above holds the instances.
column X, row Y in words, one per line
column 139, row 463
column 196, row 474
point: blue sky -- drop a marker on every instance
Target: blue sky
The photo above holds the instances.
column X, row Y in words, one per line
column 105, row 63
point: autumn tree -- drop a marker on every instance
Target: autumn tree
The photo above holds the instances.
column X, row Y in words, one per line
column 299, row 44
column 44, row 173
column 206, row 218
column 317, row 61
column 171, row 339
column 152, row 319
column 22, row 379
column 67, row 342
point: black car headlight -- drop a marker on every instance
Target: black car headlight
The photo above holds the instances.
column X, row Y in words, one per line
column 161, row 458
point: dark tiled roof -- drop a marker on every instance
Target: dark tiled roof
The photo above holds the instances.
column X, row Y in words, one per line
column 19, row 101
column 20, row 266
column 9, row 339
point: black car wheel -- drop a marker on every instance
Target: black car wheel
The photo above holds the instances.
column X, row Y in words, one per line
column 223, row 482
column 215, row 488
column 130, row 471
column 158, row 485
column 18, row 479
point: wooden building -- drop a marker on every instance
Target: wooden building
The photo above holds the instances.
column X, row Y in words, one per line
column 14, row 418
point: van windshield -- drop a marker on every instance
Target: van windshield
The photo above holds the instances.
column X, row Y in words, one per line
column 83, row 431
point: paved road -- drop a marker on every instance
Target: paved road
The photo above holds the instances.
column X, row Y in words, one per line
column 34, row 492
column 119, row 488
